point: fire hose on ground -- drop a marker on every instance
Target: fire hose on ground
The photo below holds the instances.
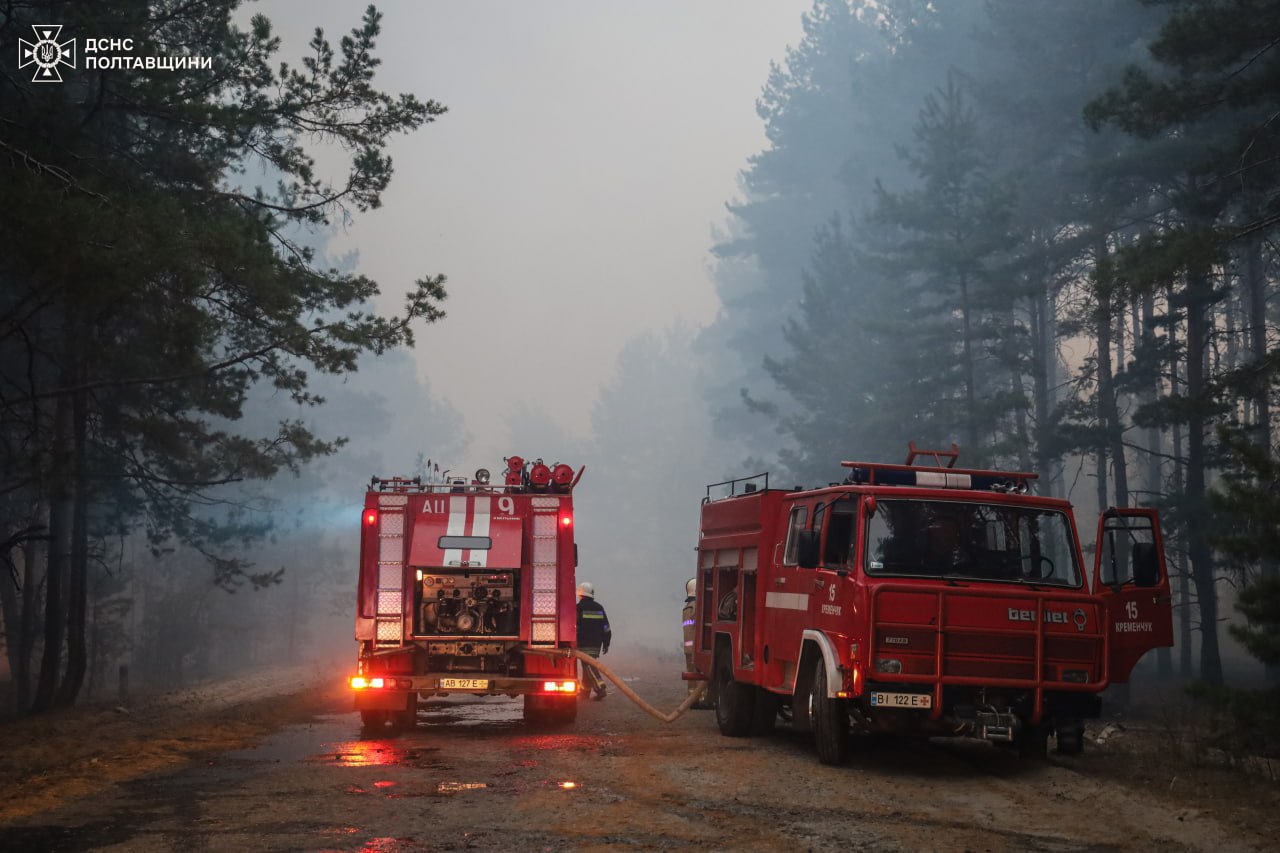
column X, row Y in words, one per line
column 684, row 706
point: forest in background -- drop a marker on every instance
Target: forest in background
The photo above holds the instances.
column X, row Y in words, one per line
column 168, row 329
column 1043, row 231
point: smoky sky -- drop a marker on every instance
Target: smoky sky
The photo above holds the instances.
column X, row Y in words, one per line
column 571, row 190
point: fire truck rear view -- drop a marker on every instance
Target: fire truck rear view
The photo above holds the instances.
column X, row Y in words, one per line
column 465, row 587
column 925, row 600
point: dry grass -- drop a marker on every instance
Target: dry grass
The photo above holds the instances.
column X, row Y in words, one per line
column 48, row 759
column 1176, row 747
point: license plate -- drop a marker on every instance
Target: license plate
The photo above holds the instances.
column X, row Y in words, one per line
column 464, row 684
column 902, row 700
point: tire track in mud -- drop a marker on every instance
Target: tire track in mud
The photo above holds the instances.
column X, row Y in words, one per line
column 472, row 775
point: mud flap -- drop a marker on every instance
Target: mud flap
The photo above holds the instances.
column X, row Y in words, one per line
column 382, row 700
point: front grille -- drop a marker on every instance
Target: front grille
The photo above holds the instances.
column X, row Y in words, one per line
column 975, row 668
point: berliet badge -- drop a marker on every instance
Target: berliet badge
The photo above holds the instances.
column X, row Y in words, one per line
column 1079, row 618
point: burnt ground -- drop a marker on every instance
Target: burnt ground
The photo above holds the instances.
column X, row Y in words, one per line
column 279, row 762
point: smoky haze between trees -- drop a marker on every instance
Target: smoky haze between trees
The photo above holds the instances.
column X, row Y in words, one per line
column 1043, row 231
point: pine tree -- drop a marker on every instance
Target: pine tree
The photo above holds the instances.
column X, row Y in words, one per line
column 138, row 332
column 954, row 232
column 1209, row 109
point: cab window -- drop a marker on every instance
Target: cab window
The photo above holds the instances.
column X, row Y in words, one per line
column 841, row 533
column 799, row 516
column 819, row 515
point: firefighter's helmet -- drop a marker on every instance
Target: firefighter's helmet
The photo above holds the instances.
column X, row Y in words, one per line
column 691, row 588
column 585, row 588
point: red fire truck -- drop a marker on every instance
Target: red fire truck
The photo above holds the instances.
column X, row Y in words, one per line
column 920, row 599
column 465, row 587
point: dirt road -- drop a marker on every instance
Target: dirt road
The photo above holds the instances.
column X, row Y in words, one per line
column 473, row 776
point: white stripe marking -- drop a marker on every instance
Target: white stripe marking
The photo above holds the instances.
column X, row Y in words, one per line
column 787, row 600
column 480, row 527
column 457, row 526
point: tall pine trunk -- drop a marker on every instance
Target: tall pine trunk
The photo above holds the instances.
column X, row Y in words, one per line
column 78, row 588
column 60, row 513
column 34, row 555
column 970, row 380
column 1198, row 548
column 1042, row 365
column 1186, row 668
column 1108, row 410
column 1144, row 331
column 11, row 586
column 1109, row 419
column 1256, row 297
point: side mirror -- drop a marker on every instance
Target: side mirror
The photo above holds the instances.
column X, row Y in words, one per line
column 807, row 548
column 1146, row 564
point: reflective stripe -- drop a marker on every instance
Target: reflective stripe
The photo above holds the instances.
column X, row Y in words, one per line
column 480, row 527
column 457, row 527
column 787, row 600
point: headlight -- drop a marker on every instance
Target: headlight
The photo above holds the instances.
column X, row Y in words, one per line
column 888, row 665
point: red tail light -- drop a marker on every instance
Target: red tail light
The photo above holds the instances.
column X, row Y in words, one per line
column 566, row 520
column 370, row 517
column 560, row 687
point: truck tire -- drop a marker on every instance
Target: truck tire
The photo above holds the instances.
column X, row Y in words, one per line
column 735, row 705
column 764, row 712
column 374, row 719
column 1033, row 742
column 1071, row 738
column 830, row 720
column 406, row 720
column 802, row 702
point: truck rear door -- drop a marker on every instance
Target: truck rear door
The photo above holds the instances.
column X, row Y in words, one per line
column 1131, row 580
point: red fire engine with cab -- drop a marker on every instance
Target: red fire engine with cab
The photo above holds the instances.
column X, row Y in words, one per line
column 462, row 584
column 927, row 600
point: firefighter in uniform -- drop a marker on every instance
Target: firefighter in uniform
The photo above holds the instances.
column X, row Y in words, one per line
column 594, row 637
column 689, row 618
column 690, row 590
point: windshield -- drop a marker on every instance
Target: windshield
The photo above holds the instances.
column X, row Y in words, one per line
column 971, row 541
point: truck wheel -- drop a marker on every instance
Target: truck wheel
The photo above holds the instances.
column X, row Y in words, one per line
column 374, row 719
column 735, row 706
column 1071, row 738
column 802, row 702
column 830, row 721
column 406, row 720
column 1033, row 742
column 764, row 712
